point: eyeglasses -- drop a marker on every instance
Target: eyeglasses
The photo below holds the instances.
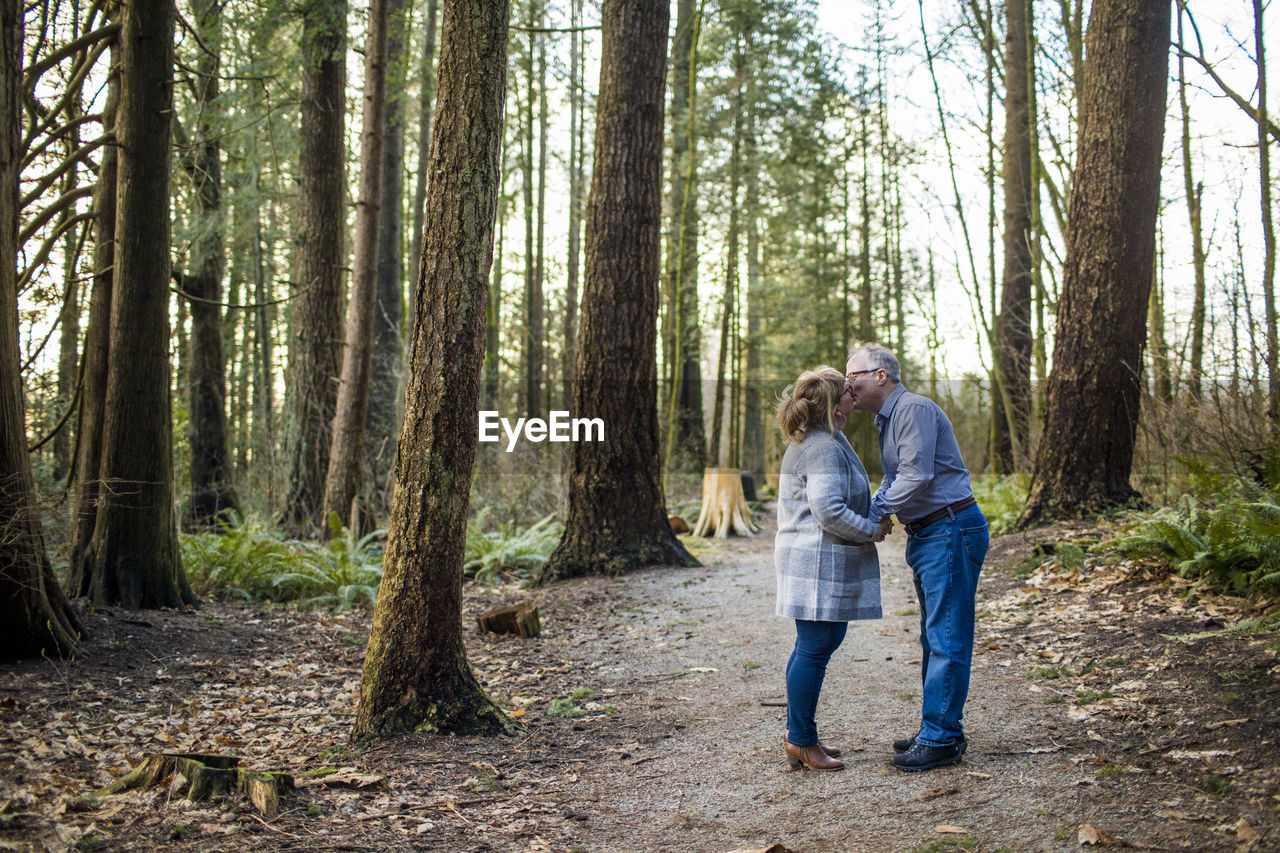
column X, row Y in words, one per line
column 853, row 373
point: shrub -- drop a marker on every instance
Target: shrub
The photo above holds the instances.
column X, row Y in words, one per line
column 1225, row 533
column 508, row 548
column 1001, row 498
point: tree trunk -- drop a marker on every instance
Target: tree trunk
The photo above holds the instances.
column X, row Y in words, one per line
column 1013, row 326
column 1268, row 234
column 617, row 517
column 388, row 342
column 37, row 618
column 532, row 390
column 97, row 345
column 316, row 351
column 1086, row 453
column 416, row 676
column 753, row 406
column 687, row 446
column 212, row 497
column 577, row 136
column 1195, row 370
column 134, row 556
column 346, row 455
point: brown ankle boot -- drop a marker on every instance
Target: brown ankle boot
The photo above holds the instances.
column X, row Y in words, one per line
column 812, row 757
column 832, row 751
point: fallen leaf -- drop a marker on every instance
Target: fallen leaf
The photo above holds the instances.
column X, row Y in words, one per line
column 1089, row 835
column 1245, row 832
column 948, row 829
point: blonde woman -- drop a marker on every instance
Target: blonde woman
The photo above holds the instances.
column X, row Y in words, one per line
column 825, row 556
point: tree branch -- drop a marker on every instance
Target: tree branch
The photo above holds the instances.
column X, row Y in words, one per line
column 70, row 49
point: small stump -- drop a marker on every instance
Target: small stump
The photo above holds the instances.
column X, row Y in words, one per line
column 520, row 619
column 207, row 775
column 724, row 506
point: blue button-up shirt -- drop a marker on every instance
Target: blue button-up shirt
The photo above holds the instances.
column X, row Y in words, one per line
column 923, row 471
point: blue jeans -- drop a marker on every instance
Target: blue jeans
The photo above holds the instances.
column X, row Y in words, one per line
column 815, row 642
column 945, row 560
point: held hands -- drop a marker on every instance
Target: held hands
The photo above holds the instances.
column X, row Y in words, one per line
column 886, row 527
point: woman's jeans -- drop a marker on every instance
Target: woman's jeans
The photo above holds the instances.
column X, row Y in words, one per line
column 945, row 560
column 815, row 641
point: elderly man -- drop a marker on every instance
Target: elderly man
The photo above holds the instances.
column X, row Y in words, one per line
column 927, row 486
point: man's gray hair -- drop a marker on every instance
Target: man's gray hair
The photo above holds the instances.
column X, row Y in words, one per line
column 878, row 358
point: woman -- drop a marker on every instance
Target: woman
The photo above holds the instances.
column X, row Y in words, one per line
column 828, row 568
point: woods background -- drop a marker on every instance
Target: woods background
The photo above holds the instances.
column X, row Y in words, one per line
column 909, row 178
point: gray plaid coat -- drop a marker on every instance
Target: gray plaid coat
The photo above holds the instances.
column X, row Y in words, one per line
column 827, row 564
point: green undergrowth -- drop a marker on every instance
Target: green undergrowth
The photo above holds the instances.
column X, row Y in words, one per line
column 1001, row 498
column 1223, row 533
column 253, row 560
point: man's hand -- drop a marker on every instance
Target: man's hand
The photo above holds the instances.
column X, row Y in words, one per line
column 886, row 526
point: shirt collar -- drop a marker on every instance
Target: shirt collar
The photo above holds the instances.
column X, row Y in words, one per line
column 890, row 402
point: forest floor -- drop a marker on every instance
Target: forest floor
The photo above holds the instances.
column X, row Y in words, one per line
column 1107, row 708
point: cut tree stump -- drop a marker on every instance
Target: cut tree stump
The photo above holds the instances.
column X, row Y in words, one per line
column 724, row 506
column 521, row 619
column 205, row 776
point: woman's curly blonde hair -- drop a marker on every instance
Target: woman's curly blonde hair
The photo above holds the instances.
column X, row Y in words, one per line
column 808, row 402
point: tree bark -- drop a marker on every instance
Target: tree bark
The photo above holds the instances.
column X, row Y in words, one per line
column 316, row 352
column 416, row 676
column 213, row 496
column 388, row 341
column 134, row 557
column 1195, row 369
column 617, row 517
column 1013, row 326
column 1086, row 453
column 37, row 617
column 346, row 455
column 1268, row 234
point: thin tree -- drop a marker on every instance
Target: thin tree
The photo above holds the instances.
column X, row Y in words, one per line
column 577, row 140
column 133, row 559
column 1013, row 326
column 37, row 617
column 617, row 517
column 1086, row 452
column 346, row 454
column 1268, row 233
column 315, row 353
column 416, row 675
column 97, row 342
column 426, row 111
column 686, row 447
column 213, row 496
column 1195, row 192
column 388, row 341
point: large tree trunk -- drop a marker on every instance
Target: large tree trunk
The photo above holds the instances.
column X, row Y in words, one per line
column 617, row 513
column 388, row 343
column 97, row 345
column 134, row 556
column 1013, row 326
column 346, row 455
column 416, row 675
column 213, row 497
column 1086, row 453
column 316, row 351
column 36, row 615
column 688, row 443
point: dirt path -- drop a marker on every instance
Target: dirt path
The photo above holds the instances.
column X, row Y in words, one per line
column 1087, row 720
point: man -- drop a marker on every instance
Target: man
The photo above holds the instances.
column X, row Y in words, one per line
column 927, row 486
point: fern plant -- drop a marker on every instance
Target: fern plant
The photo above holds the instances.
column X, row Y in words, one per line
column 1226, row 533
column 508, row 548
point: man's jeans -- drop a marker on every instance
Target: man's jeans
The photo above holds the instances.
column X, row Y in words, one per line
column 945, row 560
column 815, row 642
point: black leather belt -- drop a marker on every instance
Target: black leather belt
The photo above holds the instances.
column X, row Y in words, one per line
column 914, row 527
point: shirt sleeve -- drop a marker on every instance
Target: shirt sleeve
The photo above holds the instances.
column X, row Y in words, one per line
column 826, row 480
column 913, row 431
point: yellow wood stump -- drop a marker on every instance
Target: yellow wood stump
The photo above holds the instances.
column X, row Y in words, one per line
column 724, row 506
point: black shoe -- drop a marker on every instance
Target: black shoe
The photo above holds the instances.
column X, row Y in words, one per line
column 921, row 757
column 900, row 746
